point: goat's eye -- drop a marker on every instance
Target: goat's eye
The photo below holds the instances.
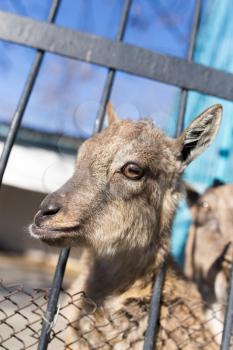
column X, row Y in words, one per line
column 205, row 206
column 132, row 171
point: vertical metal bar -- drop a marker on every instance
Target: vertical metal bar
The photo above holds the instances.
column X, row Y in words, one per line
column 18, row 115
column 228, row 321
column 184, row 92
column 64, row 254
column 153, row 324
column 14, row 127
column 53, row 299
column 149, row 343
column 60, row 269
column 111, row 72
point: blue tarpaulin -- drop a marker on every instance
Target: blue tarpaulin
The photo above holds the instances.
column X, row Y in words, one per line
column 214, row 47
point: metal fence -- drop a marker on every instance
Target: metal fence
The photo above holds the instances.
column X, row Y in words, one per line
column 115, row 55
column 22, row 312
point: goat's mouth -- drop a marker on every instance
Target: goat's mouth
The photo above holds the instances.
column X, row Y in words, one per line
column 53, row 235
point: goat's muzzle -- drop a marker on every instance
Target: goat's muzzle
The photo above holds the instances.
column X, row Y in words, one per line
column 47, row 226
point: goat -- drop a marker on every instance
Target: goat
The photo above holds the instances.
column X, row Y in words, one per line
column 120, row 204
column 209, row 251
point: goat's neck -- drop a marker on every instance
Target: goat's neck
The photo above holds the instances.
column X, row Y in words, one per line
column 112, row 275
column 115, row 274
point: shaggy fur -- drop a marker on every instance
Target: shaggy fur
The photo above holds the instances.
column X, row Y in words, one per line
column 119, row 204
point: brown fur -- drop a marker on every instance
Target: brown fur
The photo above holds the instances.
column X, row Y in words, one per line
column 125, row 224
column 121, row 321
column 209, row 251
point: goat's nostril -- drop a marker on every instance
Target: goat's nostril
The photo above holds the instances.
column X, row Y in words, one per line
column 51, row 209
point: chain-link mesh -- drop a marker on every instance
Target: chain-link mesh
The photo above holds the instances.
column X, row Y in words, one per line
column 20, row 316
column 181, row 327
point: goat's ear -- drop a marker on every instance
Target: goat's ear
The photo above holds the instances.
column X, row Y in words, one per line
column 111, row 114
column 199, row 134
column 217, row 183
column 192, row 195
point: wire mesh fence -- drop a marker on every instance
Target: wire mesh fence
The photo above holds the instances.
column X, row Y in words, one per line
column 77, row 326
column 21, row 314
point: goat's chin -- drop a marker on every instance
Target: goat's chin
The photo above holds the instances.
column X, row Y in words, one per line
column 66, row 238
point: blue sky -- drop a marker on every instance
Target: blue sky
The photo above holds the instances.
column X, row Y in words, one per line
column 67, row 92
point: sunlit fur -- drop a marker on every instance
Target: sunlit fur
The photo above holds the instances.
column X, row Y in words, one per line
column 125, row 225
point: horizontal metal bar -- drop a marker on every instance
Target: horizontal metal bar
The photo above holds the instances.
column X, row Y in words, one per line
column 116, row 55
